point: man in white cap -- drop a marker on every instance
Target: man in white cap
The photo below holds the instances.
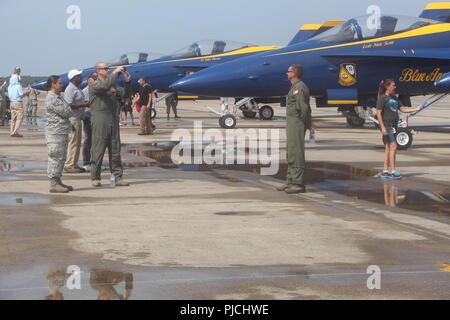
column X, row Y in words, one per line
column 16, row 95
column 77, row 101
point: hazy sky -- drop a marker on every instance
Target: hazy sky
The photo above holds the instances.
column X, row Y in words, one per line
column 35, row 35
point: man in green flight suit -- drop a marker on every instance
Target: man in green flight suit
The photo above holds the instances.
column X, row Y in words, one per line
column 298, row 120
column 105, row 123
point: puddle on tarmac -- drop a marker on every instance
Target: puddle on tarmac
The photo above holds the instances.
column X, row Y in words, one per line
column 33, row 124
column 17, row 201
column 11, row 165
column 343, row 179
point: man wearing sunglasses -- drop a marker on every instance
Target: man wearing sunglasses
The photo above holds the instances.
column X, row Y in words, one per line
column 298, row 120
column 105, row 123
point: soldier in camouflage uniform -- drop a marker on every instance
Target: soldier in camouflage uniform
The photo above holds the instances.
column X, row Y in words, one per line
column 27, row 104
column 57, row 134
column 298, row 120
column 34, row 104
column 3, row 104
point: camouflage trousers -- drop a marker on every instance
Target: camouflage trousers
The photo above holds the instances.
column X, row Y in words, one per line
column 57, row 154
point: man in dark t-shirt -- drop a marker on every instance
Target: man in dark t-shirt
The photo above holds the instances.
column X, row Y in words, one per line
column 145, row 99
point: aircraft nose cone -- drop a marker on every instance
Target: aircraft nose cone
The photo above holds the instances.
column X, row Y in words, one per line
column 444, row 83
column 192, row 84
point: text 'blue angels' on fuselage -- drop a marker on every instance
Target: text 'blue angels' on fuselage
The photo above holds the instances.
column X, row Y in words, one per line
column 343, row 65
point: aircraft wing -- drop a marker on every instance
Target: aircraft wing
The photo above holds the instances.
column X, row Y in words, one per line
column 441, row 54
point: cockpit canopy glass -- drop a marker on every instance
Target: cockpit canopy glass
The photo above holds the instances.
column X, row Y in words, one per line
column 369, row 26
column 134, row 57
column 209, row 47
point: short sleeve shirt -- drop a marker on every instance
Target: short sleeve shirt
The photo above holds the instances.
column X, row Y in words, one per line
column 144, row 94
column 75, row 95
column 389, row 106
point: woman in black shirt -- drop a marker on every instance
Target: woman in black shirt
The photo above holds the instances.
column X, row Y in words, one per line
column 388, row 106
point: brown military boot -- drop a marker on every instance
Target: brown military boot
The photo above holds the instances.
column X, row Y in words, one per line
column 70, row 188
column 122, row 183
column 55, row 187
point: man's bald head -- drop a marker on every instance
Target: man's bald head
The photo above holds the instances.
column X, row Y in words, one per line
column 102, row 70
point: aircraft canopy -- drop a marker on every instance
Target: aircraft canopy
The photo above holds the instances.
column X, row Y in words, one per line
column 368, row 26
column 209, row 47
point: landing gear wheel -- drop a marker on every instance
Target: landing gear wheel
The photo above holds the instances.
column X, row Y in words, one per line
column 404, row 138
column 354, row 121
column 228, row 121
column 249, row 114
column 266, row 113
column 153, row 113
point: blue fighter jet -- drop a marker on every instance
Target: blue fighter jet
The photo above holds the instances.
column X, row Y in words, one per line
column 163, row 71
column 344, row 66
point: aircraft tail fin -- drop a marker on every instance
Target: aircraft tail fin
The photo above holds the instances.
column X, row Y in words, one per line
column 439, row 11
column 307, row 31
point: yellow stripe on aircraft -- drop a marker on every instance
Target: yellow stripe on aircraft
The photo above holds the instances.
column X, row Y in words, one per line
column 438, row 6
column 332, row 23
column 188, row 97
column 310, row 26
column 338, row 102
column 227, row 54
column 424, row 31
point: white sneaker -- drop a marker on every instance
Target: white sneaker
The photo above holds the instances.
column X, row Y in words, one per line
column 87, row 168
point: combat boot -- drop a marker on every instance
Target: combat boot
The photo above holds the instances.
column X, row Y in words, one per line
column 122, row 183
column 284, row 187
column 55, row 187
column 70, row 188
column 295, row 189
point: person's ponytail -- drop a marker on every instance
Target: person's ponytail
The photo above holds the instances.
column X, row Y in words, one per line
column 384, row 84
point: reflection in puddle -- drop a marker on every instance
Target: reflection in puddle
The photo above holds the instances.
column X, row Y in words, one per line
column 12, row 165
column 325, row 176
column 103, row 281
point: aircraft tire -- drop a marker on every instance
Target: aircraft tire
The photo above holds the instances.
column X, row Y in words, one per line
column 228, row 121
column 266, row 113
column 355, row 122
column 404, row 138
column 249, row 114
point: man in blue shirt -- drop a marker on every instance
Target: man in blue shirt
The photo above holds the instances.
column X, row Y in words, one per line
column 16, row 94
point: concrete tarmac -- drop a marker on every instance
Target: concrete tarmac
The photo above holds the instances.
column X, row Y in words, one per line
column 223, row 232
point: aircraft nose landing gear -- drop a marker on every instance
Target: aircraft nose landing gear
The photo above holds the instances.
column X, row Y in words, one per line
column 404, row 138
column 228, row 121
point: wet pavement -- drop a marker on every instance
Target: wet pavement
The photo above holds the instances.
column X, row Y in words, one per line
column 353, row 182
column 185, row 231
